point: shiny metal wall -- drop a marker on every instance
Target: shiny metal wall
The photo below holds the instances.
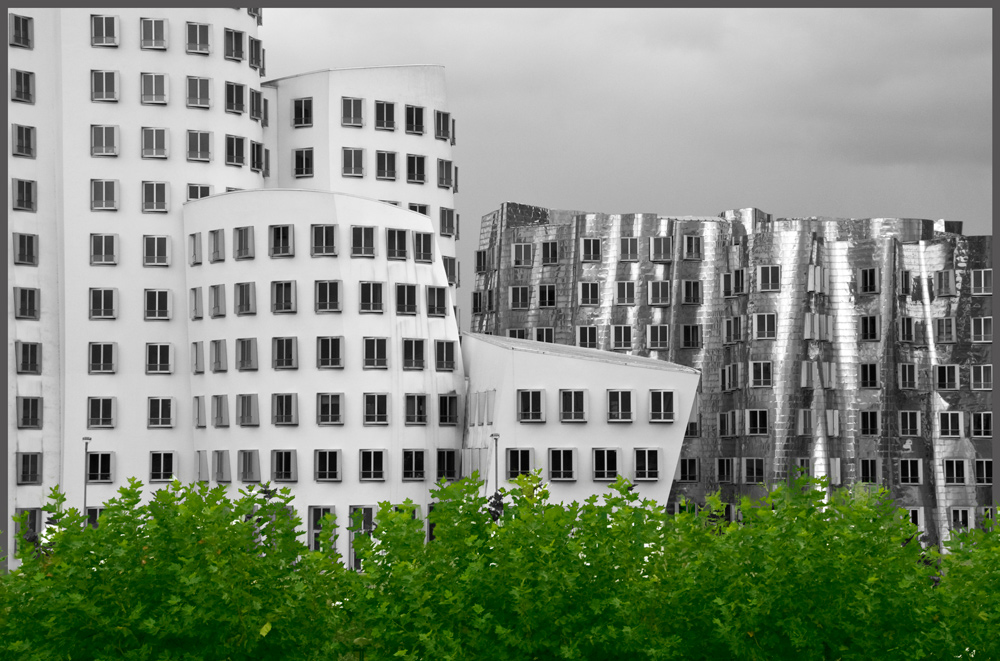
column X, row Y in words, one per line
column 818, row 309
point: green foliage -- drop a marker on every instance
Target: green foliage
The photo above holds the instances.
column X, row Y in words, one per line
column 193, row 575
column 187, row 575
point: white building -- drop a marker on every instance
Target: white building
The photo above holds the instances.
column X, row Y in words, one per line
column 582, row 416
column 302, row 337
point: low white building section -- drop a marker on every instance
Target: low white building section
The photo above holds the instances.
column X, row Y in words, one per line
column 582, row 416
column 323, row 348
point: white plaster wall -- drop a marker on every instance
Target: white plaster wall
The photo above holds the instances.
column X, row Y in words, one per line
column 505, row 371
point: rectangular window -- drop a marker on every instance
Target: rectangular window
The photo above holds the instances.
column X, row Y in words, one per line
column 659, row 292
column 753, row 470
column 413, row 463
column 103, row 86
column 869, row 423
column 982, row 424
column 769, row 278
column 236, row 150
column 982, row 377
column 256, row 54
column 99, row 467
column 587, row 337
column 550, row 255
column 765, row 326
column 688, row 470
column 362, row 242
column 199, row 146
column 154, row 143
column 661, row 406
column 329, row 411
column 909, row 423
column 530, row 406
column 285, row 353
column 658, row 337
column 352, row 113
column 447, row 410
column 910, row 471
column 946, row 377
column 217, row 355
column 234, row 45
column 622, row 338
column 101, row 412
column 724, row 469
column 561, row 464
column 376, row 409
column 590, row 250
column 692, row 292
column 23, row 140
column 984, row 471
column 353, row 162
column 235, row 98
column 982, row 282
column 160, row 412
column 625, row 293
column 733, row 330
column 375, row 353
column 437, row 298
column 691, row 337
column 660, row 249
column 906, row 329
column 154, row 196
column 29, row 412
column 546, row 296
column 414, row 119
column 950, row 423
column 545, row 334
column 444, row 173
column 246, row 354
column 757, row 422
column 25, row 195
column 647, row 464
column 249, row 465
column 945, row 329
column 303, row 162
column 869, row 375
column 324, row 240
column 447, row 223
column 29, row 467
column 944, row 283
column 157, row 304
column 868, row 280
column 573, row 405
column 29, row 357
column 217, row 301
column 371, row 297
column 104, row 31
column 23, row 87
column 284, row 467
column 28, row 302
column 605, row 464
column 102, row 358
column 154, row 88
column 619, row 406
column 590, row 293
column 520, row 297
column 406, row 299
column 868, row 471
column 158, row 359
column 156, row 251
column 220, row 418
column 692, row 247
column 385, row 116
column 444, row 351
column 450, row 269
column 416, row 411
column 982, row 329
column 26, row 249
column 413, row 354
column 954, row 471
column 329, row 353
column 905, row 282
column 760, row 374
column 284, row 409
column 22, row 31
column 198, row 365
column 628, row 249
column 283, row 297
column 281, row 241
column 327, row 296
column 302, row 112
column 907, row 376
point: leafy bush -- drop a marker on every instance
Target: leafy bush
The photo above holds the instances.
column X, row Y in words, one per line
column 193, row 575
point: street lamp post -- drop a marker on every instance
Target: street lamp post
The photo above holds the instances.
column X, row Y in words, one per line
column 86, row 456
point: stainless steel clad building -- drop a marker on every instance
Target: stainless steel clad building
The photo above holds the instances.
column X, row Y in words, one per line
column 856, row 349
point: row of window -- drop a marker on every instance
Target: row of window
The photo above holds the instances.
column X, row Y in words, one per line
column 869, row 471
column 105, row 32
column 353, row 114
column 330, row 354
column 328, row 466
column 330, row 409
column 328, row 297
column 622, row 406
column 353, row 160
column 869, row 423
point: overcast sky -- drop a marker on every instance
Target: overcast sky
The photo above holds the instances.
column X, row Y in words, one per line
column 840, row 112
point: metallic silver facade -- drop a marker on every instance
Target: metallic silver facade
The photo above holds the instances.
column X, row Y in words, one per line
column 818, row 358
